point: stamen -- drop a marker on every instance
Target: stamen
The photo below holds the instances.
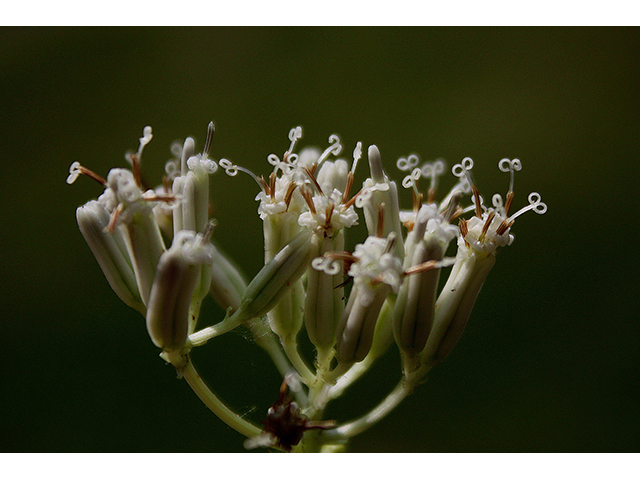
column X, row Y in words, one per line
column 289, row 193
column 487, row 224
column 353, row 200
column 272, row 186
column 464, row 230
column 313, row 180
column 453, row 207
column 347, row 188
column 391, row 241
column 265, row 186
column 114, row 218
column 417, row 201
column 328, row 214
column 209, row 139
column 159, row 198
column 75, row 170
column 208, row 231
column 167, row 185
column 509, row 201
column 478, row 201
column 308, row 197
column 430, row 265
column 504, row 226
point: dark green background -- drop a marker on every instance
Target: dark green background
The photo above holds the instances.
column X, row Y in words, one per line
column 550, row 360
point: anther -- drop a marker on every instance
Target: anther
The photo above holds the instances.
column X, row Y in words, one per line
column 313, row 180
column 349, row 203
column 287, row 196
column 308, row 197
column 464, row 230
column 487, row 224
column 417, row 201
column 75, row 170
column 272, row 186
column 347, row 188
column 328, row 214
column 504, row 226
column 265, row 186
column 453, row 208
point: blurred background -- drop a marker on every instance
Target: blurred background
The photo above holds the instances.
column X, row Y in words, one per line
column 549, row 361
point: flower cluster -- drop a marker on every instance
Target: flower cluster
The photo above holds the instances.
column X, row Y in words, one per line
column 156, row 250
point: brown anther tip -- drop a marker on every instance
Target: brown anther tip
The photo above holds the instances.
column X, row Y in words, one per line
column 265, row 185
column 328, row 215
column 351, row 201
column 476, row 195
column 272, row 186
column 423, row 267
column 464, row 231
column 431, row 195
column 290, row 189
column 417, row 201
column 312, row 177
column 308, row 197
column 114, row 217
column 487, row 224
column 167, row 185
column 91, row 174
column 347, row 188
column 508, row 202
column 313, row 168
column 504, row 226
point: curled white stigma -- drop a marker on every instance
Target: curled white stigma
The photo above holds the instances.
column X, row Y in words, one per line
column 409, row 163
column 535, row 203
column 326, row 265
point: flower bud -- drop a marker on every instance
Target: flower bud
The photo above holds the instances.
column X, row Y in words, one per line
column 415, row 305
column 173, row 290
column 358, row 323
column 110, row 252
column 277, row 276
column 455, row 303
column 323, row 303
column 227, row 283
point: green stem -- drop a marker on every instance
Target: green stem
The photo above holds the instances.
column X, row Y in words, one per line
column 367, row 421
column 290, row 347
column 214, row 404
column 203, row 336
